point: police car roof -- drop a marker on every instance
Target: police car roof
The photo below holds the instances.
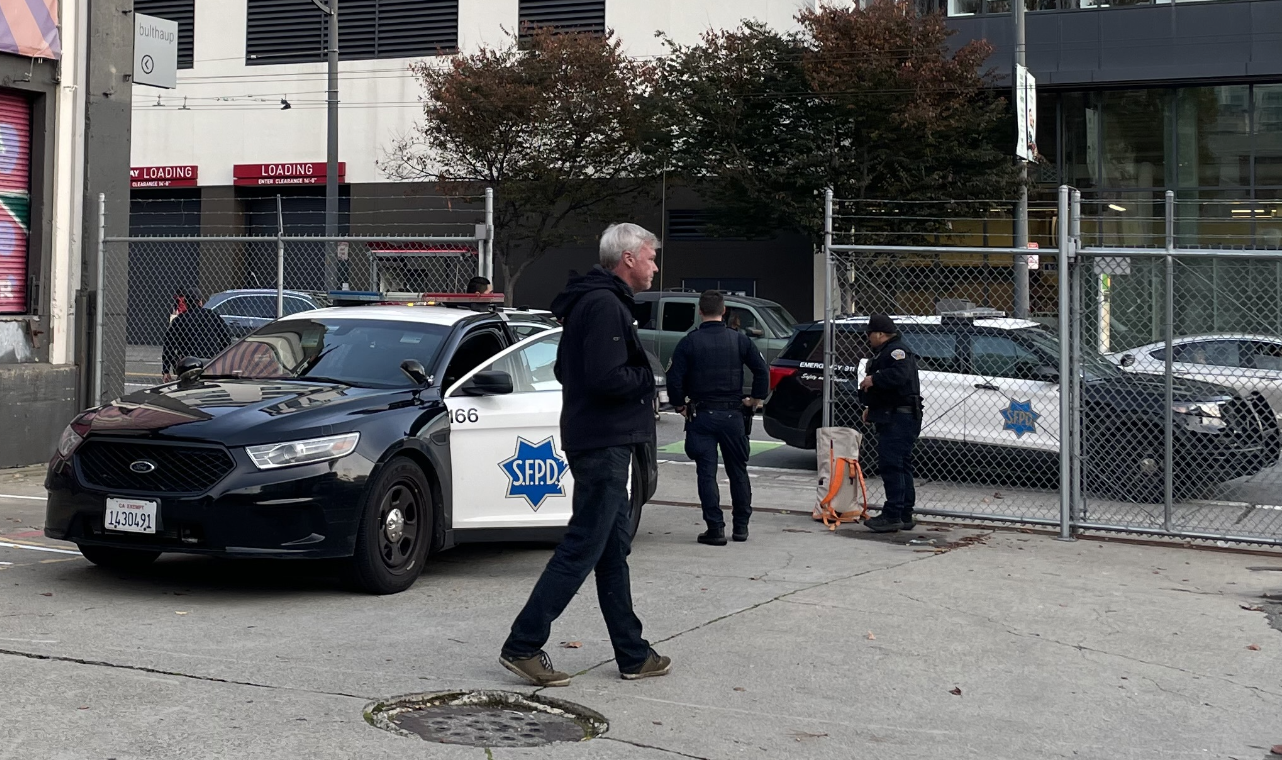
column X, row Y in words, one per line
column 1000, row 323
column 436, row 315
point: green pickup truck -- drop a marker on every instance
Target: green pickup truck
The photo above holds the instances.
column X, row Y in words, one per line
column 664, row 317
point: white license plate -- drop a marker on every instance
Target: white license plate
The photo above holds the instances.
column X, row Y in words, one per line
column 131, row 515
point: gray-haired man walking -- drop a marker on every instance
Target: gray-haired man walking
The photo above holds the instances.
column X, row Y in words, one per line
column 606, row 411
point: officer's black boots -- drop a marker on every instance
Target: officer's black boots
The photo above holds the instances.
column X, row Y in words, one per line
column 740, row 533
column 713, row 536
column 886, row 522
column 906, row 520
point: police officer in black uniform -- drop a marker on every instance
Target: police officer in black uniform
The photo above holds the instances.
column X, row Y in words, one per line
column 891, row 394
column 707, row 368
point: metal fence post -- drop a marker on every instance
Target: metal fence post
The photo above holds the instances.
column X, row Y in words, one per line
column 1065, row 376
column 485, row 251
column 1168, row 466
column 1075, row 300
column 100, row 300
column 280, row 259
column 828, row 342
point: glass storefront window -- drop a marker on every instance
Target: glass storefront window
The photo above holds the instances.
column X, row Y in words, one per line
column 1134, row 137
column 1213, row 136
column 1080, row 135
column 1268, row 135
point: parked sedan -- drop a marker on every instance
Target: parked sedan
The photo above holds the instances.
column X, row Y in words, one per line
column 244, row 311
column 1247, row 363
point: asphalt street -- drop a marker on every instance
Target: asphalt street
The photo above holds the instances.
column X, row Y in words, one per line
column 966, row 643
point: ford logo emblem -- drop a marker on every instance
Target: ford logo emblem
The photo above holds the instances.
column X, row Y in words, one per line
column 142, row 467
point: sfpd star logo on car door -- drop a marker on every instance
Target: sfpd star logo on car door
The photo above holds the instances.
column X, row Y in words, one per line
column 1020, row 418
column 534, row 472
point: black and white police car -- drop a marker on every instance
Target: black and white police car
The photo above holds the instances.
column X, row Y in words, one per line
column 990, row 387
column 379, row 433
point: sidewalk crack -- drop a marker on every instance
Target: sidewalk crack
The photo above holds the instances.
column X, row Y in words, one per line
column 158, row 671
column 651, row 746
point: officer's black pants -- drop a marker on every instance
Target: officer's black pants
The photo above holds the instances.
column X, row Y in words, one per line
column 895, row 440
column 704, row 433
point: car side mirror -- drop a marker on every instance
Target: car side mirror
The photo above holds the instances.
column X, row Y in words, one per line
column 1128, row 360
column 488, row 383
column 189, row 369
column 414, row 369
column 755, row 332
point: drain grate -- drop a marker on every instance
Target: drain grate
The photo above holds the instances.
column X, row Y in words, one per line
column 486, row 719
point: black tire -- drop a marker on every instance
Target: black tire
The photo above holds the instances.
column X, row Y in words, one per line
column 1127, row 460
column 395, row 530
column 118, row 559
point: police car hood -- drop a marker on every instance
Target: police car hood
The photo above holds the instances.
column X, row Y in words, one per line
column 245, row 412
column 1148, row 392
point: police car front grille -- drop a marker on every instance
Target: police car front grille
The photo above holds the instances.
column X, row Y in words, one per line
column 178, row 469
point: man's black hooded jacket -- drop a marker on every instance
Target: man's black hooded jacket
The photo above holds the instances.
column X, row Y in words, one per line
column 606, row 379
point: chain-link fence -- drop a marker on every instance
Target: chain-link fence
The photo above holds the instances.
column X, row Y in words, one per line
column 166, row 297
column 1142, row 392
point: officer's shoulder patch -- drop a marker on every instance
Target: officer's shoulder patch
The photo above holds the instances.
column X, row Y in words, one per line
column 898, row 354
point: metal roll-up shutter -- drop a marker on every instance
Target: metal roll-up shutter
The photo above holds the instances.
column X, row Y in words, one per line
column 15, row 200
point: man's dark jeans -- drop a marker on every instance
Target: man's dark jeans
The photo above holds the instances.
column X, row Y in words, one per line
column 599, row 537
column 708, row 430
column 895, row 441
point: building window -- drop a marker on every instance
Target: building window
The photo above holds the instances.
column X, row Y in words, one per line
column 562, row 16
column 687, row 224
column 181, row 11
column 296, row 31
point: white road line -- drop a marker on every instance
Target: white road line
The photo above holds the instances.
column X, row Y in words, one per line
column 26, row 498
column 8, row 545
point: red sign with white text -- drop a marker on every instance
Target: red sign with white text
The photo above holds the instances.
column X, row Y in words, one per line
column 284, row 174
column 163, row 176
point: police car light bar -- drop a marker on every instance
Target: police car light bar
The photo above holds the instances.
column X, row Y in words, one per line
column 374, row 298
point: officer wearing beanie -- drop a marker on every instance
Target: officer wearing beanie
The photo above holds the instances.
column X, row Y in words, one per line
column 891, row 395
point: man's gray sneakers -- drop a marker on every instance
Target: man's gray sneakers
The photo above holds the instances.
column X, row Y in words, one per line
column 654, row 665
column 537, row 670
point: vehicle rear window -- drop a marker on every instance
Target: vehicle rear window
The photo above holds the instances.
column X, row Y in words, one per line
column 360, row 352
column 805, row 345
column 936, row 352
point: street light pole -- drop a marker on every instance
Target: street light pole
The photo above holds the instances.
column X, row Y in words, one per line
column 331, row 151
column 1021, row 210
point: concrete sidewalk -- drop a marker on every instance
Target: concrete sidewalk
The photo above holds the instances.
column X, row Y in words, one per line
column 801, row 643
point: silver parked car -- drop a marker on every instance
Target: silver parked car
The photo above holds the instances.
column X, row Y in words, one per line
column 1247, row 363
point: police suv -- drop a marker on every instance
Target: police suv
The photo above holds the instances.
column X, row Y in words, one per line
column 990, row 388
column 378, row 433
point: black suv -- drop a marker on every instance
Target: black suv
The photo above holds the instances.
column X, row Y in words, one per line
column 990, row 388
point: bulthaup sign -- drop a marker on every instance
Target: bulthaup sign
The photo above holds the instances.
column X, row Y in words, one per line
column 155, row 51
column 255, row 175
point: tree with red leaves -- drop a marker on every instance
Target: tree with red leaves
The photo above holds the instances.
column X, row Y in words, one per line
column 560, row 125
column 867, row 101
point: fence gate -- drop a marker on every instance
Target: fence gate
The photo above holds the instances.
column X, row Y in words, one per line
column 250, row 279
column 1101, row 408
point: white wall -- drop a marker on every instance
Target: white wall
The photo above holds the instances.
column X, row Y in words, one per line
column 233, row 113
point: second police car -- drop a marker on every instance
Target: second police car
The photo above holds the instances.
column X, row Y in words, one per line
column 376, row 433
column 990, row 387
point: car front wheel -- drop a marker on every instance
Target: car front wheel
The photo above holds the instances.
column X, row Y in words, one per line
column 395, row 530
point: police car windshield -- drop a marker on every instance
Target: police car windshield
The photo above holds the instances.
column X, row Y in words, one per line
column 359, row 352
column 1094, row 366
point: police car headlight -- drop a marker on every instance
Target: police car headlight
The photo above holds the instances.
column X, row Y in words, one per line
column 1200, row 418
column 273, row 455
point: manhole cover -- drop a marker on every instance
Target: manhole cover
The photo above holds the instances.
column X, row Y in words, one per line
column 486, row 719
